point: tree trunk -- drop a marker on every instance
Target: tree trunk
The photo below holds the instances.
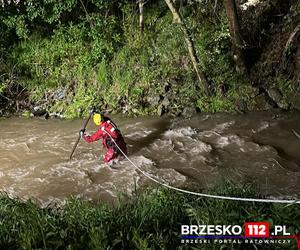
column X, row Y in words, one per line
column 141, row 20
column 297, row 65
column 292, row 39
column 234, row 27
column 292, row 48
column 177, row 18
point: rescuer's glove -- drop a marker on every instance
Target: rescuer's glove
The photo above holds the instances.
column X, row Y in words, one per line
column 81, row 133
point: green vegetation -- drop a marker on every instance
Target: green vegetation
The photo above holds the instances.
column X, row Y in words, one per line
column 71, row 55
column 151, row 220
column 66, row 56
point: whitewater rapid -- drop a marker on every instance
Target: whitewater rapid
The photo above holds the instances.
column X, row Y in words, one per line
column 202, row 151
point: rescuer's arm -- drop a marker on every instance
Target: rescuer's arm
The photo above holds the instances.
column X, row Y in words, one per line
column 94, row 137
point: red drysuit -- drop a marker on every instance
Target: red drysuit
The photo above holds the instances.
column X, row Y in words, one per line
column 108, row 127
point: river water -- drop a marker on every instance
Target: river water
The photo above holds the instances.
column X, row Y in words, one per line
column 259, row 148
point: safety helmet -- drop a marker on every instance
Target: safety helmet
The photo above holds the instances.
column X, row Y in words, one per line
column 97, row 118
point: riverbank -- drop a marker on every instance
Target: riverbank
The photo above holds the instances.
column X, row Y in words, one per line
column 62, row 65
column 151, row 219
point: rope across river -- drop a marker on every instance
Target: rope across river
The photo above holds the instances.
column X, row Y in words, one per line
column 202, row 194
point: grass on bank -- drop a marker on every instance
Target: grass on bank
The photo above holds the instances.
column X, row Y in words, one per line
column 111, row 65
column 150, row 220
column 101, row 58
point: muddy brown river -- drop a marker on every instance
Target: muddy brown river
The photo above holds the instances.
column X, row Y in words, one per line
column 259, row 148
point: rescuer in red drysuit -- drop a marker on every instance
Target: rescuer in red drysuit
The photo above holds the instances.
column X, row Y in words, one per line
column 106, row 131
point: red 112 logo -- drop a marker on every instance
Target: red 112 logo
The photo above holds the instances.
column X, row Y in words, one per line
column 257, row 229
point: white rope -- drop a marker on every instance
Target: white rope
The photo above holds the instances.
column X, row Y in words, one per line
column 202, row 194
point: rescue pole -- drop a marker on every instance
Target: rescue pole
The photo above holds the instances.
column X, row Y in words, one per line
column 83, row 128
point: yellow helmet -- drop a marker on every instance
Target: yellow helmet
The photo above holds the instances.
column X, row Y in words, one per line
column 97, row 118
